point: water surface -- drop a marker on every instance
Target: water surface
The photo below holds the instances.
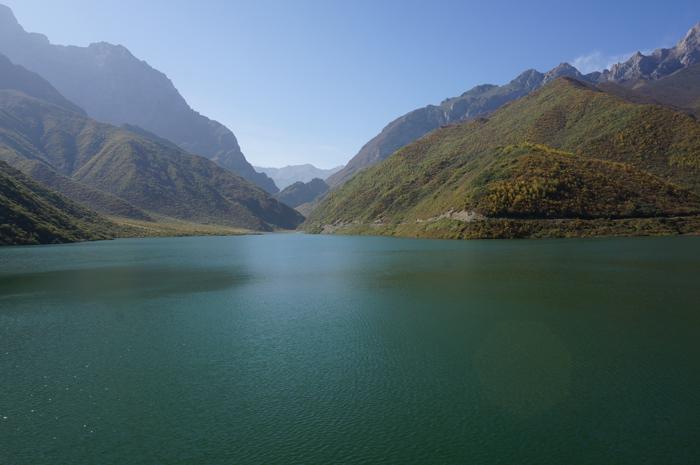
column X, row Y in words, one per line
column 319, row 349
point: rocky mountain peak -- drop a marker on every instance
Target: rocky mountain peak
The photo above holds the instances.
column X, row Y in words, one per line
column 528, row 79
column 688, row 49
column 561, row 70
column 660, row 63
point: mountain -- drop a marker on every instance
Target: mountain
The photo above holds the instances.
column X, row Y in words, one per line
column 474, row 103
column 568, row 159
column 288, row 175
column 18, row 78
column 681, row 90
column 484, row 99
column 32, row 214
column 300, row 193
column 659, row 64
column 124, row 173
column 115, row 87
column 139, row 171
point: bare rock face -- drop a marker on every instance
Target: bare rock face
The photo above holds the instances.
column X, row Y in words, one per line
column 659, row 64
column 688, row 49
column 563, row 70
column 115, row 87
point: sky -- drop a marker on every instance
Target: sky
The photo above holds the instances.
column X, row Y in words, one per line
column 311, row 81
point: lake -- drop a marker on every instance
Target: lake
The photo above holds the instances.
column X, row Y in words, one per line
column 292, row 348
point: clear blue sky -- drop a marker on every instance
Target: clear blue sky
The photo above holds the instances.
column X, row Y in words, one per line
column 312, row 80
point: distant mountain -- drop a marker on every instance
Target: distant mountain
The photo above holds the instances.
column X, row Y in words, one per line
column 115, row 87
column 661, row 63
column 288, row 175
column 568, row 159
column 124, row 173
column 484, row 99
column 18, row 78
column 300, row 193
column 32, row 214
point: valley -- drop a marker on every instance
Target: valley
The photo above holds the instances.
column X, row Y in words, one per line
column 553, row 154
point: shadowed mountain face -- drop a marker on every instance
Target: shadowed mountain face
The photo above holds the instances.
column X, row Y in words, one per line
column 32, row 214
column 288, row 175
column 115, row 87
column 300, row 193
column 567, row 151
column 125, row 172
column 484, row 99
column 17, row 77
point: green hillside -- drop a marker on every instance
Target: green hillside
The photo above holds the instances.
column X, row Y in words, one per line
column 566, row 160
column 139, row 175
column 32, row 214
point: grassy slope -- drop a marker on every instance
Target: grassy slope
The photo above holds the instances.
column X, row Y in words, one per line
column 142, row 173
column 32, row 214
column 648, row 164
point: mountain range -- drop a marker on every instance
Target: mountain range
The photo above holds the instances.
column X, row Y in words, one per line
column 288, row 175
column 484, row 99
column 96, row 144
column 121, row 172
column 115, row 87
column 569, row 159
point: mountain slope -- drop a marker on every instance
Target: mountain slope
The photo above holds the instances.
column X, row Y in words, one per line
column 115, row 87
column 681, row 90
column 566, row 151
column 476, row 102
column 482, row 100
column 288, row 175
column 300, row 192
column 19, row 78
column 141, row 172
column 31, row 214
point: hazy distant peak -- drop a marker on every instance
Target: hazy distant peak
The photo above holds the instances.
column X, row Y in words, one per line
column 11, row 29
column 106, row 47
column 288, row 175
column 8, row 19
column 116, row 87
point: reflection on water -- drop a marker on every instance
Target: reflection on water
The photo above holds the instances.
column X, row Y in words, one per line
column 312, row 349
column 121, row 281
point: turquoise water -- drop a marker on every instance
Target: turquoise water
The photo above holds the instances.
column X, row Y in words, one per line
column 318, row 349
